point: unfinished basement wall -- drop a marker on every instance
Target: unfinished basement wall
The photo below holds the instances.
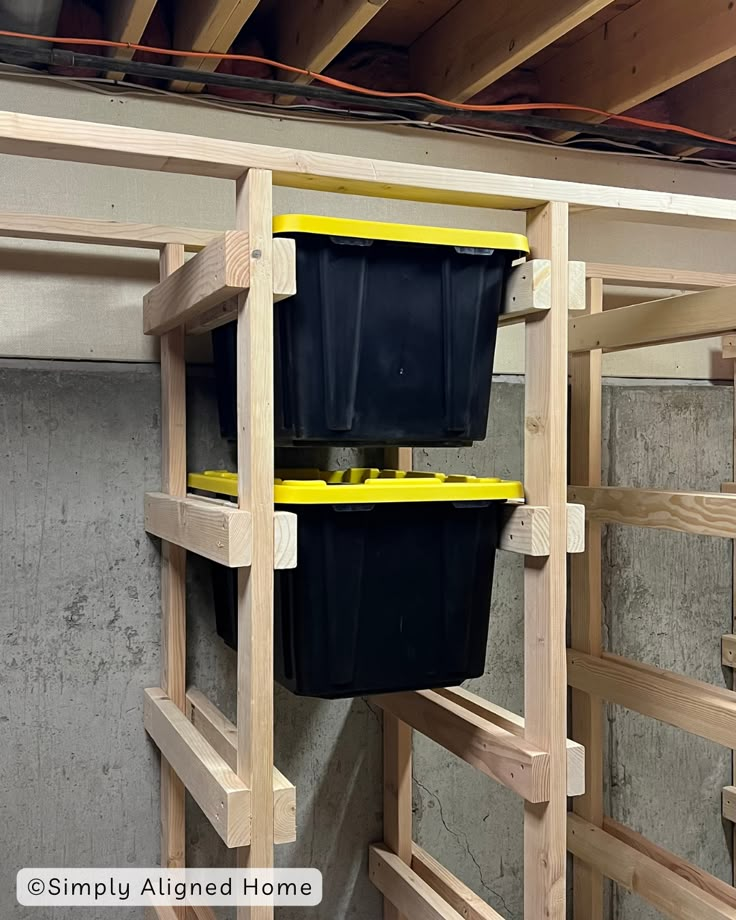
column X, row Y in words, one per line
column 80, row 445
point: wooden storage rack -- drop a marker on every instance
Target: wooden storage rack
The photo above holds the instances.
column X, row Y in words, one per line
column 229, row 768
column 601, row 846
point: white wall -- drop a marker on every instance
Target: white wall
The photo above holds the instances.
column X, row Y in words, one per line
column 65, row 301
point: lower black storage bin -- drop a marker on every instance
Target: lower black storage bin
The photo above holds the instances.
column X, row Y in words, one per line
column 390, row 337
column 388, row 594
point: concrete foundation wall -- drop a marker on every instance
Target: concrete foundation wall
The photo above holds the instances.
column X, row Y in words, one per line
column 79, row 619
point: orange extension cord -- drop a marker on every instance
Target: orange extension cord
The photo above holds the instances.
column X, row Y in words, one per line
column 362, row 90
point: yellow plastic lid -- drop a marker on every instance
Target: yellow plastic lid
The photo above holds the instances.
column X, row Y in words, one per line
column 358, row 486
column 399, row 233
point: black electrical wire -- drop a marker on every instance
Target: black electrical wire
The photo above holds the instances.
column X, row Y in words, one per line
column 414, row 108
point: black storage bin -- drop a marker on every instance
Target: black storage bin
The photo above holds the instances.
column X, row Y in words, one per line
column 392, row 590
column 390, row 337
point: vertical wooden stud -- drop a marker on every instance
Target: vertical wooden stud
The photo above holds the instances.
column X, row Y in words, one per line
column 586, row 610
column 397, row 756
column 173, row 567
column 545, row 587
column 254, row 213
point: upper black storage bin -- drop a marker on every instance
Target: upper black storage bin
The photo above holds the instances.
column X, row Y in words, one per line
column 390, row 337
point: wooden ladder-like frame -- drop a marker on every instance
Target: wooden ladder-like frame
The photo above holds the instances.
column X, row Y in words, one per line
column 603, row 847
column 238, row 274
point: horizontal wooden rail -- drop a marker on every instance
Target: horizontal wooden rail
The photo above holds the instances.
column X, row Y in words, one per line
column 728, row 804
column 163, row 151
column 222, row 734
column 217, row 530
column 676, row 888
column 528, row 291
column 20, row 226
column 497, row 752
column 673, row 278
column 656, row 322
column 460, row 898
column 164, row 912
column 686, row 703
column 514, row 723
column 410, row 894
column 728, row 651
column 220, row 793
column 711, row 514
column 728, row 346
column 525, row 529
column 216, row 274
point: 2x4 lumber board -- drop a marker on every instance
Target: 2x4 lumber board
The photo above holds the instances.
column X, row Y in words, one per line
column 219, row 531
column 161, row 151
column 697, row 315
column 528, row 290
column 728, row 346
column 545, row 580
column 526, row 530
column 315, row 32
column 499, row 753
column 728, row 803
column 459, row 897
column 125, row 21
column 710, row 514
column 220, row 732
column 464, row 52
column 586, row 613
column 397, row 754
column 409, row 893
column 164, row 912
column 218, row 273
column 686, row 703
column 254, row 213
column 173, row 566
column 728, row 651
column 639, row 54
column 514, row 723
column 19, row 226
column 657, row 277
column 207, row 25
column 701, row 105
column 220, row 793
column 637, row 871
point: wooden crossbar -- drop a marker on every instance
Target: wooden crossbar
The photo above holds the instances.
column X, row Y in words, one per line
column 680, row 891
column 673, row 278
column 528, row 291
column 693, row 705
column 406, row 890
column 459, row 897
column 711, row 514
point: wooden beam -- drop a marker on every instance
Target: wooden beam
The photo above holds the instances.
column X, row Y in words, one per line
column 728, row 803
column 688, row 316
column 222, row 734
column 661, row 882
column 586, row 613
column 254, row 213
column 545, row 581
column 173, row 569
column 162, row 151
column 728, row 651
column 207, row 25
column 658, row 277
column 125, row 21
column 495, row 751
column 511, row 722
column 711, row 514
column 692, row 705
column 528, row 290
column 315, row 32
column 457, row 895
column 216, row 530
column 219, row 272
column 639, row 54
column 19, row 226
column 728, row 346
column 219, row 792
column 410, row 894
column 703, row 104
column 465, row 52
column 525, row 530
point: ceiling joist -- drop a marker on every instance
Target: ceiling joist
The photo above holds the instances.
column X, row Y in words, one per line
column 649, row 48
column 706, row 104
column 464, row 52
column 207, row 25
column 125, row 21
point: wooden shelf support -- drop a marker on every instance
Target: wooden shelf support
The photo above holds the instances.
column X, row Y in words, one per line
column 526, row 530
column 528, row 291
